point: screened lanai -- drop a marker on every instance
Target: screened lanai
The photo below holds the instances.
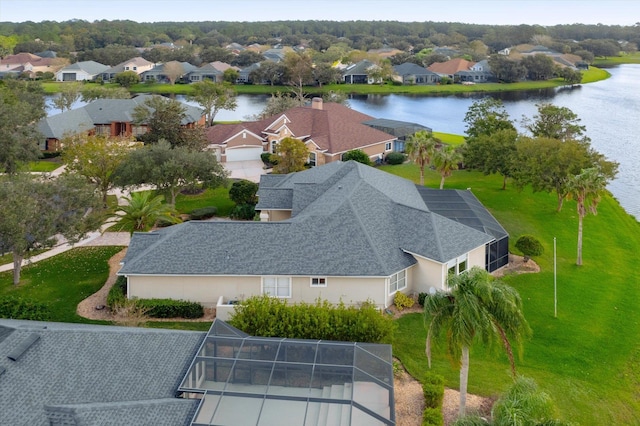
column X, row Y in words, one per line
column 245, row 380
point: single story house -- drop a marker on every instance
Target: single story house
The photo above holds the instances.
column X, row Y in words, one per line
column 55, row 374
column 342, row 232
column 110, row 117
column 401, row 130
column 137, row 65
column 80, row 71
column 164, row 73
column 479, row 72
column 28, row 62
column 451, row 67
column 358, row 73
column 328, row 129
column 410, row 73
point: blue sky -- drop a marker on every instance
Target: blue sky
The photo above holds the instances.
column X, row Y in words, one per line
column 500, row 12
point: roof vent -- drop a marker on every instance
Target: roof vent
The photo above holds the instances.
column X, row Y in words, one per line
column 23, row 347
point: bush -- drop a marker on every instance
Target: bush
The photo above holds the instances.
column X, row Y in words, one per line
column 269, row 159
column 243, row 212
column 169, row 308
column 19, row 308
column 402, row 301
column 272, row 317
column 244, row 192
column 529, row 246
column 421, row 297
column 357, row 155
column 433, row 390
column 395, row 158
column 432, row 417
column 203, row 213
column 118, row 293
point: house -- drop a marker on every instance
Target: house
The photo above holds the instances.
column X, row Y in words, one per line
column 328, row 129
column 410, row 73
column 110, row 117
column 205, row 72
column 28, row 62
column 479, row 72
column 244, row 75
column 343, row 232
column 402, row 130
column 358, row 73
column 451, row 67
column 80, row 71
column 163, row 74
column 137, row 65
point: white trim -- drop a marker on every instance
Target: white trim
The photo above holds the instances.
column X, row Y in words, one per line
column 248, row 276
column 322, row 281
column 277, row 286
column 404, row 279
column 363, row 146
column 390, row 145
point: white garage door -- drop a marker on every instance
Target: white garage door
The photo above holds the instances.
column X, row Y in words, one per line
column 244, row 154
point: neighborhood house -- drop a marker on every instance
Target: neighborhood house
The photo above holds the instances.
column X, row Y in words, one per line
column 343, row 232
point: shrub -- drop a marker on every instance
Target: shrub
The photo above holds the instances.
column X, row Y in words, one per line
column 272, row 317
column 433, row 390
column 243, row 212
column 118, row 293
column 357, row 155
column 269, row 159
column 529, row 246
column 19, row 308
column 203, row 213
column 421, row 297
column 432, row 417
column 402, row 301
column 395, row 158
column 169, row 308
column 244, row 192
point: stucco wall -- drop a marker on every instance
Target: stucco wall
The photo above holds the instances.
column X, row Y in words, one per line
column 278, row 215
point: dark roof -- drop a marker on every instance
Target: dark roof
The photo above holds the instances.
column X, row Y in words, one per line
column 359, row 68
column 90, row 67
column 364, row 222
column 399, row 129
column 409, row 68
column 92, row 374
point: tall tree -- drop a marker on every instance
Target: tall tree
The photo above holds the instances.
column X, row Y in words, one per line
column 476, row 308
column 292, row 156
column 420, row 148
column 485, row 117
column 446, row 160
column 173, row 70
column 36, row 209
column 69, row 94
column 21, row 106
column 494, row 153
column 277, row 104
column 213, row 97
column 97, row 158
column 143, row 210
column 170, row 169
column 556, row 122
column 298, row 73
column 586, row 188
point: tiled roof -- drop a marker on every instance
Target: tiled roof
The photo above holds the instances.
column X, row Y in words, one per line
column 90, row 67
column 364, row 222
column 95, row 375
column 451, row 67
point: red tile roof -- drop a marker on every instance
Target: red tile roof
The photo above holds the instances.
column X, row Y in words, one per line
column 451, row 67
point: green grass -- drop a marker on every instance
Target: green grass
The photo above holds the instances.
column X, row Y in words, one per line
column 588, row 357
column 44, row 166
column 62, row 281
column 449, row 138
column 218, row 197
column 633, row 58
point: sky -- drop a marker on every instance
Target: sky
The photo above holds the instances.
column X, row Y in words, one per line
column 496, row 12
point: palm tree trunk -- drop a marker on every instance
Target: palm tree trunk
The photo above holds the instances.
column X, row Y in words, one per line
column 17, row 267
column 422, row 176
column 579, row 261
column 464, row 378
column 442, row 182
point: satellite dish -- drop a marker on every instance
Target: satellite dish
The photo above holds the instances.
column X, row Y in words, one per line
column 432, row 290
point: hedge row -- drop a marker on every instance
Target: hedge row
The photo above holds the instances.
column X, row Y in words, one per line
column 155, row 308
column 271, row 317
column 433, row 390
column 19, row 308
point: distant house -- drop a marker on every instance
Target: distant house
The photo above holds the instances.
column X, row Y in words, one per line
column 159, row 73
column 328, row 129
column 30, row 63
column 81, row 71
column 451, row 67
column 205, row 72
column 410, row 73
column 359, row 73
column 342, row 232
column 244, row 75
column 137, row 65
column 402, row 130
column 274, row 55
column 110, row 117
column 478, row 73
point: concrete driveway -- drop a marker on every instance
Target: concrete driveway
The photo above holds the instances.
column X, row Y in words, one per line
column 249, row 170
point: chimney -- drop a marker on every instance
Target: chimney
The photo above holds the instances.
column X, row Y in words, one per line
column 316, row 103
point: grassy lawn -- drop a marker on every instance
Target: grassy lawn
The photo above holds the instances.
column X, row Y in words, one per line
column 588, row 357
column 43, row 166
column 218, row 197
column 449, row 138
column 633, row 58
column 62, row 281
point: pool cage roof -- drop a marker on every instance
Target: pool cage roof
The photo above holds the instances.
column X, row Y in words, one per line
column 245, row 380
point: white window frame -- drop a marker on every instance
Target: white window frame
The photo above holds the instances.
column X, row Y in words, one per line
column 395, row 279
column 274, row 143
column 319, row 281
column 459, row 265
column 388, row 146
column 280, row 283
column 313, row 162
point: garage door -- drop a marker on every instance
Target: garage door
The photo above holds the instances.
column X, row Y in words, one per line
column 244, row 154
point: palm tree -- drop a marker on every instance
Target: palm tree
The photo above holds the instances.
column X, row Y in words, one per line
column 420, row 149
column 446, row 160
column 476, row 308
column 586, row 188
column 142, row 212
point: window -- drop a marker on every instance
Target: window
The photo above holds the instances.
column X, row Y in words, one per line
column 273, row 146
column 277, row 286
column 318, row 282
column 457, row 266
column 387, row 146
column 398, row 281
column 312, row 159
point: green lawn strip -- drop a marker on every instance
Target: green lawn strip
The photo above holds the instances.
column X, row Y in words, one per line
column 587, row 357
column 218, row 197
column 62, row 281
column 449, row 138
column 633, row 58
column 43, row 166
column 180, row 325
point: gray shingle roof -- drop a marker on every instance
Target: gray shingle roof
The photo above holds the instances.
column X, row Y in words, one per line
column 347, row 220
column 90, row 67
column 95, row 375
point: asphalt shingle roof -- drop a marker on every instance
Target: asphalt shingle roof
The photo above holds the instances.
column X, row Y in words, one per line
column 348, row 219
column 95, row 375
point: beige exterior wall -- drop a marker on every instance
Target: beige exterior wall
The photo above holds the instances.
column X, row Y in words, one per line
column 477, row 257
column 208, row 290
column 278, row 215
column 426, row 274
column 372, row 151
column 248, row 140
